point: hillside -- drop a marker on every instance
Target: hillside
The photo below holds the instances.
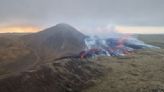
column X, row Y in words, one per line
column 15, row 57
column 62, row 76
column 56, row 41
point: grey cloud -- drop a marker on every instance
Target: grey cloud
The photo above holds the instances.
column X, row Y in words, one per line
column 84, row 12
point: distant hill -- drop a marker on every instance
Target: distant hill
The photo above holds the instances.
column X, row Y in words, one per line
column 56, row 41
column 154, row 39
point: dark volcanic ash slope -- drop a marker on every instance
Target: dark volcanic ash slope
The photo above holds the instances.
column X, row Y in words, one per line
column 57, row 41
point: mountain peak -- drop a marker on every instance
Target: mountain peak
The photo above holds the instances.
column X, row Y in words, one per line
column 63, row 25
column 61, row 39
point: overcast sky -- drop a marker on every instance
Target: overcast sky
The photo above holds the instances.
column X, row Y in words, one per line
column 82, row 13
